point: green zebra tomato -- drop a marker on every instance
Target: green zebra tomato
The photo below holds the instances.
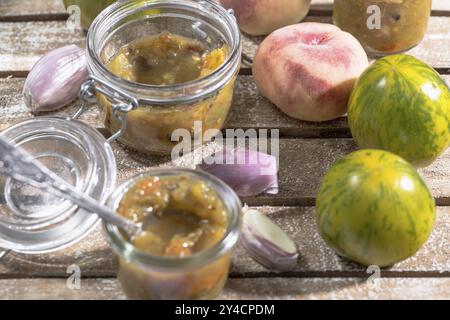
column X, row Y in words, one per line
column 402, row 105
column 374, row 208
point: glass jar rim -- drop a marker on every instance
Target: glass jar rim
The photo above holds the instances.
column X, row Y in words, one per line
column 123, row 9
column 126, row 250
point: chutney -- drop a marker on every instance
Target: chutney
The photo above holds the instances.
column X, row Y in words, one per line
column 180, row 215
column 166, row 60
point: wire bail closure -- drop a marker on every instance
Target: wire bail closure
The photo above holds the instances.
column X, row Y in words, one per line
column 122, row 103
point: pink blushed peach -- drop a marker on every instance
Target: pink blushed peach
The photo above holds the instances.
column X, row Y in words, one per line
column 308, row 70
column 261, row 17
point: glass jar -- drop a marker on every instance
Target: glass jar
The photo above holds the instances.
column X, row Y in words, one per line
column 199, row 276
column 384, row 26
column 147, row 115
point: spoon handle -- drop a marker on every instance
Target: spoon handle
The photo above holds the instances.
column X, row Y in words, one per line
column 19, row 165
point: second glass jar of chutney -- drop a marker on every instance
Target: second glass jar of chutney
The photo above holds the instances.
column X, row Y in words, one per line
column 384, row 26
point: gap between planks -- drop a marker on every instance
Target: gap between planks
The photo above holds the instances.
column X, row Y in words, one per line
column 384, row 274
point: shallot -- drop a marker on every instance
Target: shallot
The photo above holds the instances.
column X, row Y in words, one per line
column 266, row 243
column 247, row 172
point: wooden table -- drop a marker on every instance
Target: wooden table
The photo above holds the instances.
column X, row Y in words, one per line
column 29, row 28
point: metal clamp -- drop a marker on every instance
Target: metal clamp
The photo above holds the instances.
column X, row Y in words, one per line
column 121, row 102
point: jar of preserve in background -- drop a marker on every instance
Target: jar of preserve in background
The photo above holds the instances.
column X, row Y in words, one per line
column 384, row 26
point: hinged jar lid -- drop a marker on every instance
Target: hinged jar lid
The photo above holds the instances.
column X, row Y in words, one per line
column 34, row 221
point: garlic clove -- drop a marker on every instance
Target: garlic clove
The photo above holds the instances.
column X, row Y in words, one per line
column 55, row 80
column 266, row 243
column 247, row 172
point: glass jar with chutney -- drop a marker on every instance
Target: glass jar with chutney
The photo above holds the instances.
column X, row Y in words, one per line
column 384, row 26
column 191, row 222
column 158, row 66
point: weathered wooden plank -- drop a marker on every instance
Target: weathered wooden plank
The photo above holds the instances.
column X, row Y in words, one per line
column 433, row 49
column 250, row 110
column 302, row 163
column 92, row 254
column 22, row 43
column 95, row 259
column 309, row 159
column 337, row 288
column 57, row 289
column 245, row 289
column 15, row 10
column 316, row 258
column 439, row 5
column 13, row 109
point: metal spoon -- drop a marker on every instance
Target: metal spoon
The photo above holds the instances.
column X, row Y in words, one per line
column 16, row 163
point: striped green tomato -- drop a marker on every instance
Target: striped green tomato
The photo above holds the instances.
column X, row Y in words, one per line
column 402, row 105
column 374, row 208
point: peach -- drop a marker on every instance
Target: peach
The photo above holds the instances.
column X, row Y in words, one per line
column 261, row 17
column 308, row 70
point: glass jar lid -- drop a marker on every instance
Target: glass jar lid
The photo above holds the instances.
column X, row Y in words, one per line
column 35, row 221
